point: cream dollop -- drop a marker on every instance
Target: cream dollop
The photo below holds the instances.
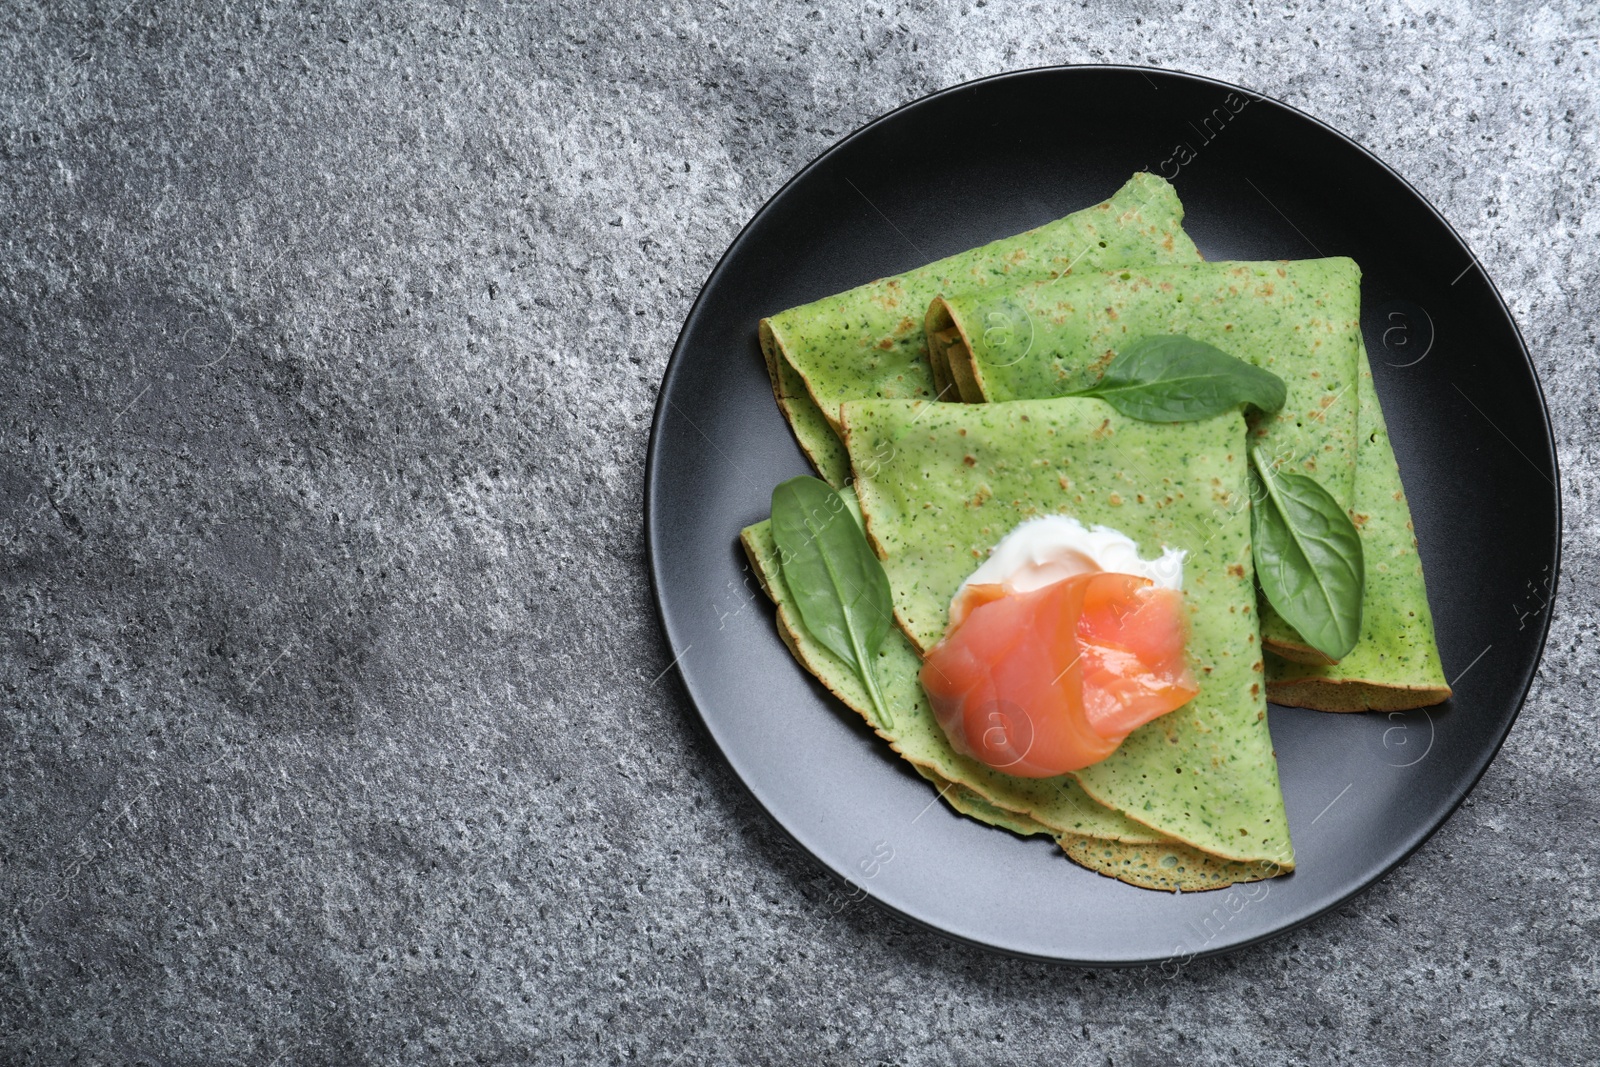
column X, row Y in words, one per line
column 1045, row 550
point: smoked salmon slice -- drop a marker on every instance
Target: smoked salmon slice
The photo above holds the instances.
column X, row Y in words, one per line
column 1043, row 682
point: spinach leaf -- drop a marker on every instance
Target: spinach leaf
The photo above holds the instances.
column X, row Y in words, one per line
column 836, row 580
column 1175, row 379
column 1308, row 558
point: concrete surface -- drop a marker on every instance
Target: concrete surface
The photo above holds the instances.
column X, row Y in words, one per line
column 330, row 341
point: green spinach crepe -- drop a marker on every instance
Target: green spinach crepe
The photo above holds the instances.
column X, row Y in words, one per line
column 1300, row 320
column 1395, row 665
column 1091, row 834
column 941, row 484
column 868, row 342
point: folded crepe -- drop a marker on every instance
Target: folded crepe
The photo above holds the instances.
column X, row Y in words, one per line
column 1395, row 665
column 1093, row 835
column 1300, row 320
column 868, row 342
column 941, row 484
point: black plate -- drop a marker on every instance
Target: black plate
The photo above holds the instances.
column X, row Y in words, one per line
column 1259, row 181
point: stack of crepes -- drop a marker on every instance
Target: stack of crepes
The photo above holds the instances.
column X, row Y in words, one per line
column 937, row 396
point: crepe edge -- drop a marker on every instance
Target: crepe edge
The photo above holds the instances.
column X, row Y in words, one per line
column 954, row 353
column 807, row 421
column 1355, row 695
column 1143, row 866
column 863, row 492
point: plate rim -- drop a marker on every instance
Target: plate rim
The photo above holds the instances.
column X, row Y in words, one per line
column 652, row 480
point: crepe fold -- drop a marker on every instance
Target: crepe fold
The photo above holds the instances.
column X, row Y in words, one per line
column 1301, row 320
column 1090, row 833
column 868, row 342
column 941, row 484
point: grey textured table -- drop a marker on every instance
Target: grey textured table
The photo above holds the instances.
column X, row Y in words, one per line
column 330, row 343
